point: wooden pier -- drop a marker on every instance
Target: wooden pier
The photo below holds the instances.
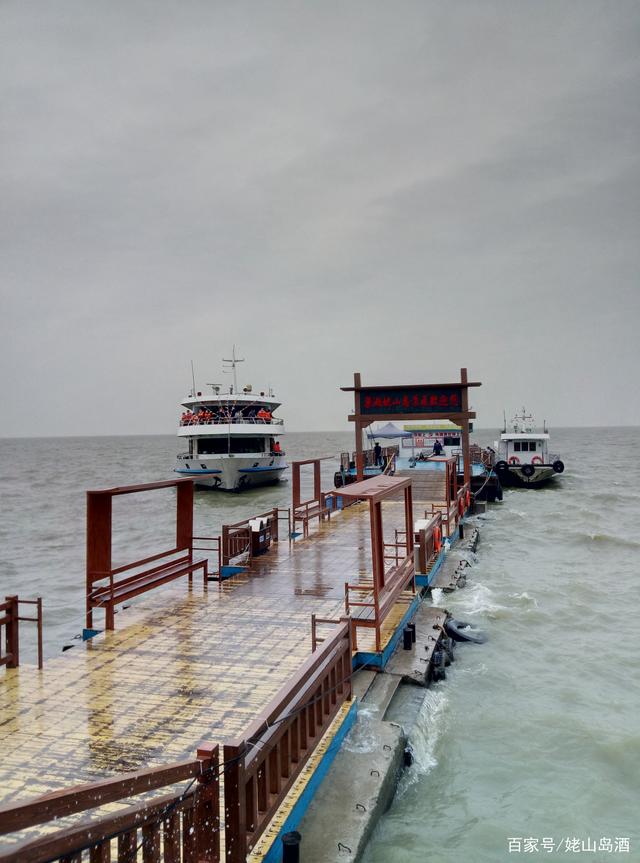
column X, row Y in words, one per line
column 230, row 684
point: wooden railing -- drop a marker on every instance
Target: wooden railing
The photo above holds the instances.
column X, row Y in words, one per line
column 261, row 767
column 463, row 500
column 236, row 538
column 307, row 510
column 453, row 512
column 183, row 824
column 371, row 606
column 428, row 540
column 10, row 619
column 368, row 457
column 215, row 548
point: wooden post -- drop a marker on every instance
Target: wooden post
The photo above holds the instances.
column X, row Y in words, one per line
column 12, row 636
column 99, row 518
column 465, row 428
column 184, row 516
column 235, row 825
column 207, row 815
column 317, row 482
column 422, row 552
column 408, row 518
column 357, row 383
column 39, row 619
column 295, row 485
column 377, row 546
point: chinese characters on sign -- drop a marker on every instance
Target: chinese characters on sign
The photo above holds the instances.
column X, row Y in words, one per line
column 568, row 845
column 408, row 400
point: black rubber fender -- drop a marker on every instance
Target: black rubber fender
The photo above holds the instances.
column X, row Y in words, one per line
column 558, row 466
column 458, row 631
column 528, row 470
column 501, row 467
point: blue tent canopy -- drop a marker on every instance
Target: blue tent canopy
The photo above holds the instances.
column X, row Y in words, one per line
column 387, row 433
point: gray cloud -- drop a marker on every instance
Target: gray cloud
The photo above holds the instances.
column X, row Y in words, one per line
column 400, row 189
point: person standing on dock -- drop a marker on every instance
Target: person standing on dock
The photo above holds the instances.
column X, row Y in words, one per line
column 437, row 447
column 377, row 452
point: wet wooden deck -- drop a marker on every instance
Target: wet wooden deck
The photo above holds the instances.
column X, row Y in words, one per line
column 183, row 666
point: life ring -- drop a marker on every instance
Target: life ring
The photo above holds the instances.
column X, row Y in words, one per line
column 437, row 539
column 514, row 460
column 536, row 460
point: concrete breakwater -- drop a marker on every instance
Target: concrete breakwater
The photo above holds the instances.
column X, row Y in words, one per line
column 362, row 781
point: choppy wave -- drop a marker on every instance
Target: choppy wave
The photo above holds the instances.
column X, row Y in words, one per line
column 603, row 539
column 475, row 599
column 428, row 729
column 536, row 730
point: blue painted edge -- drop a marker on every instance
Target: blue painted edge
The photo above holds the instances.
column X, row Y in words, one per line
column 294, row 534
column 195, row 470
column 266, row 468
column 425, row 580
column 90, row 633
column 228, row 571
column 379, row 660
column 274, row 854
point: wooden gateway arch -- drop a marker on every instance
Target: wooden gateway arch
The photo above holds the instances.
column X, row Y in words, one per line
column 412, row 401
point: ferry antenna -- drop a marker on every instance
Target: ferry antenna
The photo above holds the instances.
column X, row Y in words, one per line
column 193, row 381
column 233, row 363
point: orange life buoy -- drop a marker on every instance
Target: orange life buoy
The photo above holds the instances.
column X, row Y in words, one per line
column 437, row 539
column 514, row 460
column 468, row 498
column 536, row 460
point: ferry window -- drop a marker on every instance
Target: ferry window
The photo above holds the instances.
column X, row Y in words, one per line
column 451, row 441
column 516, row 446
column 212, row 445
column 247, row 444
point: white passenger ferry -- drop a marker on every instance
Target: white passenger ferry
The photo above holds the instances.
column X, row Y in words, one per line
column 234, row 440
column 523, row 457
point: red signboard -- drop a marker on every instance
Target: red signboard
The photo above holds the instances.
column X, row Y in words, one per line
column 410, row 400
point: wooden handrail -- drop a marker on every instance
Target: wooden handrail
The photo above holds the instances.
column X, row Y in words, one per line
column 80, row 798
column 286, row 692
column 71, row 841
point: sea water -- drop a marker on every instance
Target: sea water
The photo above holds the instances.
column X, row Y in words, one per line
column 530, row 750
column 533, row 736
column 43, row 512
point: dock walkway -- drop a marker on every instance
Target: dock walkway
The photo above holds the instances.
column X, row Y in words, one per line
column 183, row 666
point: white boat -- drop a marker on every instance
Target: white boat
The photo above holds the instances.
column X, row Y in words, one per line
column 523, row 457
column 233, row 439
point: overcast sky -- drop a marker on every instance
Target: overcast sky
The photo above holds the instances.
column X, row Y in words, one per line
column 396, row 188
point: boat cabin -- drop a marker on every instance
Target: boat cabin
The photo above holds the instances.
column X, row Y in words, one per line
column 523, row 448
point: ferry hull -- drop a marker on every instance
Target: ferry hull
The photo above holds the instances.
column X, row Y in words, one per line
column 233, row 473
column 513, row 476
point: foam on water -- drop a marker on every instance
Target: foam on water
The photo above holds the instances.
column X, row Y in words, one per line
column 429, row 726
